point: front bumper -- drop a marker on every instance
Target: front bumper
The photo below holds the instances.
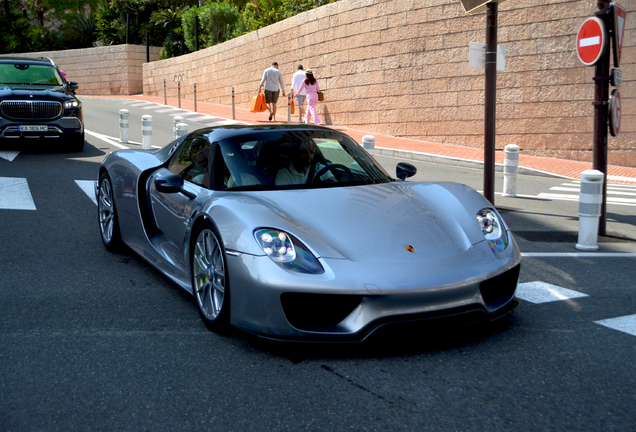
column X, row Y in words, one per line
column 351, row 300
column 60, row 128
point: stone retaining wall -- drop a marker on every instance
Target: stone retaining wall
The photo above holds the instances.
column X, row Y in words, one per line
column 400, row 67
column 107, row 70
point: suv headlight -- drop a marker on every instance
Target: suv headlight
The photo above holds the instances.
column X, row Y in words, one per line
column 71, row 104
column 287, row 251
column 493, row 229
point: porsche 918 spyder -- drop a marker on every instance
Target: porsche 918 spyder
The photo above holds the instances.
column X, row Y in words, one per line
column 295, row 232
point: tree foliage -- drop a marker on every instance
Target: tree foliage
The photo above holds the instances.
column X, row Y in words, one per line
column 47, row 25
column 218, row 22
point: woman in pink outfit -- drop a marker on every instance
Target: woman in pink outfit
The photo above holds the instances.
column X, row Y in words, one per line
column 312, row 87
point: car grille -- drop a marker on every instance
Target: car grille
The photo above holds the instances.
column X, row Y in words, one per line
column 499, row 290
column 28, row 110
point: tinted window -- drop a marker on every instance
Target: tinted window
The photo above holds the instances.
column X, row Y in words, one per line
column 29, row 74
column 298, row 159
column 192, row 161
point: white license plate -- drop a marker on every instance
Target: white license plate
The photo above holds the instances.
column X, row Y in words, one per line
column 31, row 128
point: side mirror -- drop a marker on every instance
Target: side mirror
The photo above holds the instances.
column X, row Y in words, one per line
column 169, row 183
column 73, row 85
column 405, row 170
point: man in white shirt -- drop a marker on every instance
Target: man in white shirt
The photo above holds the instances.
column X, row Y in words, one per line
column 272, row 78
column 297, row 81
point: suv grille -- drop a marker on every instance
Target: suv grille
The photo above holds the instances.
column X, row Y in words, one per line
column 31, row 110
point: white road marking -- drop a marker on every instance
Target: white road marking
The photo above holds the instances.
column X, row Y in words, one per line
column 611, row 191
column 541, row 292
column 114, row 141
column 625, row 324
column 578, row 254
column 88, row 186
column 9, row 154
column 609, row 200
column 15, row 194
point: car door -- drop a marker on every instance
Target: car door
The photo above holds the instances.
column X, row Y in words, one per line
column 171, row 211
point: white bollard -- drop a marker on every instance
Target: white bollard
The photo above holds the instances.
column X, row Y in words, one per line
column 511, row 166
column 368, row 143
column 123, row 125
column 182, row 129
column 175, row 121
column 146, row 130
column 590, row 200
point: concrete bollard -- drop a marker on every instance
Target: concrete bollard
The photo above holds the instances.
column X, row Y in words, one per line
column 511, row 166
column 146, row 130
column 368, row 143
column 590, row 201
column 182, row 129
column 175, row 121
column 123, row 125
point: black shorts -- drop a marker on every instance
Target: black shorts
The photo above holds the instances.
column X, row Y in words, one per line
column 271, row 96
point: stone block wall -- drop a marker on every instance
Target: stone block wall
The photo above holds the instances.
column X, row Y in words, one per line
column 107, row 70
column 400, row 67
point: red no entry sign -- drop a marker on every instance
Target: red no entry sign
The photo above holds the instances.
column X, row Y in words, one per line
column 591, row 41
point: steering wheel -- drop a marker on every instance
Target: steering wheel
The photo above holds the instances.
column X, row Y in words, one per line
column 332, row 168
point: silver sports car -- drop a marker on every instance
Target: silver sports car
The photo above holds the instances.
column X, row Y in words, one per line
column 295, row 232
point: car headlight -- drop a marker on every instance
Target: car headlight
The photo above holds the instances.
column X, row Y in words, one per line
column 287, row 251
column 71, row 104
column 493, row 229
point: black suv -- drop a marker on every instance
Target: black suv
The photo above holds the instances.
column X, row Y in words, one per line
column 37, row 102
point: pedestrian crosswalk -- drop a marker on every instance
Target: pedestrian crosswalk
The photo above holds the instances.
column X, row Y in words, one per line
column 187, row 115
column 617, row 194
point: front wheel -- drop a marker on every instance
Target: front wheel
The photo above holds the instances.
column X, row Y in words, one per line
column 210, row 283
column 107, row 215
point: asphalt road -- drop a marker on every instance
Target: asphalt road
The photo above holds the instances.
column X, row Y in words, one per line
column 91, row 340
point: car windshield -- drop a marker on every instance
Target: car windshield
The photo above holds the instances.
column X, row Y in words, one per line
column 24, row 74
column 297, row 159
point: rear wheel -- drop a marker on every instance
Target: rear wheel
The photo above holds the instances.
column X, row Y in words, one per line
column 209, row 278
column 107, row 213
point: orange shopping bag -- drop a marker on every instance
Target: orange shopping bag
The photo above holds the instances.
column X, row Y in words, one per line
column 292, row 106
column 261, row 97
column 255, row 105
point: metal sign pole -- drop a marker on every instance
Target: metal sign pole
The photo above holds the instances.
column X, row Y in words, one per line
column 491, row 102
column 601, row 103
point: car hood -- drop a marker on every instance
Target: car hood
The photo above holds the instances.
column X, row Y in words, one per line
column 374, row 223
column 32, row 92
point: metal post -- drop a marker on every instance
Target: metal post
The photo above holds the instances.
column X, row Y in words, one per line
column 233, row 110
column 146, row 130
column 123, row 125
column 590, row 202
column 288, row 109
column 368, row 143
column 601, row 105
column 175, row 121
column 491, row 102
column 127, row 27
column 179, row 91
column 195, row 97
column 165, row 99
column 196, row 32
column 511, row 166
column 147, row 49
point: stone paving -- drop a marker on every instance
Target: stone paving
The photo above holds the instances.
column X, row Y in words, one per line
column 402, row 147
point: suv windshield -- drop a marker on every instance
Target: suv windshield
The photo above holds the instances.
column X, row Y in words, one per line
column 24, row 74
column 297, row 159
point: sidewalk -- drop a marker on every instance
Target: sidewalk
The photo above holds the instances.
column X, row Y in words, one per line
column 406, row 148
